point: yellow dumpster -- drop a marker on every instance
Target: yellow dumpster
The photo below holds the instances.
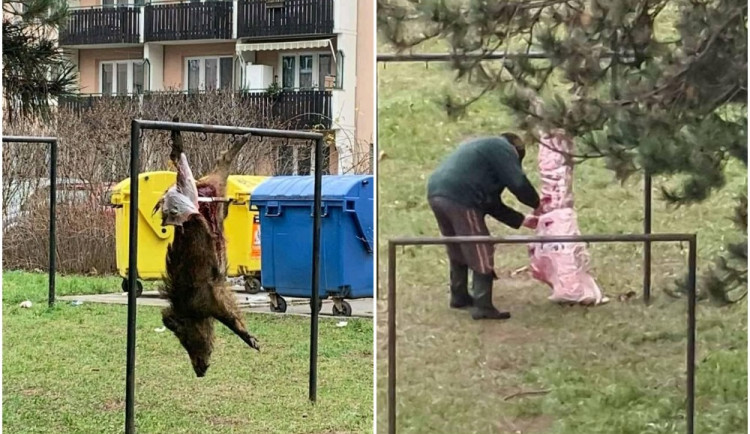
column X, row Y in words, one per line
column 241, row 229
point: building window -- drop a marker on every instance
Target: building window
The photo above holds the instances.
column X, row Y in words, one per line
column 340, row 69
column 325, row 68
column 285, row 161
column 208, row 73
column 305, row 160
column 121, row 77
column 112, row 3
column 307, row 71
column 138, row 77
column 299, row 160
column 287, row 72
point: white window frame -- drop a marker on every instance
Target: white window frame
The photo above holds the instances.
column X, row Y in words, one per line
column 130, row 64
column 296, row 159
column 115, row 4
column 317, row 81
column 202, row 71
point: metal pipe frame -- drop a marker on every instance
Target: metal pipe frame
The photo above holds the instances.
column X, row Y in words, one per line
column 495, row 55
column 647, row 244
column 691, row 239
column 447, row 57
column 52, row 142
column 136, row 127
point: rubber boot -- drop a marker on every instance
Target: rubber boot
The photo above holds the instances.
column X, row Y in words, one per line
column 460, row 297
column 482, row 307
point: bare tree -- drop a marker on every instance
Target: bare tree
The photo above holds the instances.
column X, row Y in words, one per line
column 94, row 153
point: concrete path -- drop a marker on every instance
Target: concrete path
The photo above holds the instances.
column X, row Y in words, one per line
column 256, row 303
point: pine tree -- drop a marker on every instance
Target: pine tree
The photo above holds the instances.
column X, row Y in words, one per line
column 34, row 68
column 647, row 85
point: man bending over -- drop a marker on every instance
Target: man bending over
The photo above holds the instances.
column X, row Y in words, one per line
column 461, row 191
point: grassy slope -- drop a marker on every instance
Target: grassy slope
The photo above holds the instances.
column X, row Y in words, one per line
column 64, row 370
column 612, row 369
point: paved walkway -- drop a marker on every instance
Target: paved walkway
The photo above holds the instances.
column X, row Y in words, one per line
column 256, row 303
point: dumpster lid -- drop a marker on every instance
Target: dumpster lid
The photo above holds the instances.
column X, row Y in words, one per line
column 245, row 183
column 335, row 187
column 240, row 187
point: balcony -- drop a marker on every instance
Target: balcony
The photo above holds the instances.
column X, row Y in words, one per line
column 188, row 21
column 275, row 19
column 298, row 110
column 110, row 25
column 302, row 109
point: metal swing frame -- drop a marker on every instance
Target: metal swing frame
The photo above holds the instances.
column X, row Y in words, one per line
column 137, row 126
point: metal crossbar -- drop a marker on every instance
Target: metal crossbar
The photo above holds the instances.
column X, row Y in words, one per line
column 136, row 127
column 447, row 57
column 478, row 56
column 691, row 239
column 52, row 142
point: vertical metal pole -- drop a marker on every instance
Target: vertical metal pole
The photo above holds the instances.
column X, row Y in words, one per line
column 647, row 244
column 135, row 132
column 391, row 338
column 52, row 220
column 315, row 299
column 692, row 264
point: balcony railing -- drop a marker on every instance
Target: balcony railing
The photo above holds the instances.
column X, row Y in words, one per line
column 111, row 25
column 256, row 19
column 284, row 18
column 183, row 21
column 303, row 109
column 86, row 101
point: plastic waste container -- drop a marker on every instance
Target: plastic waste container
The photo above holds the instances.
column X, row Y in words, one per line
column 285, row 207
column 241, row 229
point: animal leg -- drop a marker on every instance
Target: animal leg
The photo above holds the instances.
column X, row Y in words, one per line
column 228, row 314
column 224, row 163
column 169, row 319
column 185, row 184
column 177, row 145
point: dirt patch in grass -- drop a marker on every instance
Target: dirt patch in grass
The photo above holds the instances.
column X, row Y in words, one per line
column 533, row 425
column 524, row 425
column 226, row 421
column 113, row 405
column 336, row 432
column 509, row 333
column 32, row 392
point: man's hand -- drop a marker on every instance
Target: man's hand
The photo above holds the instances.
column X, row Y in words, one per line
column 530, row 221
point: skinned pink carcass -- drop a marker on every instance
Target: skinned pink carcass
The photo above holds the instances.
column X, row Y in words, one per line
column 564, row 267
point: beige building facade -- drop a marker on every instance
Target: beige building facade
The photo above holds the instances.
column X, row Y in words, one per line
column 319, row 54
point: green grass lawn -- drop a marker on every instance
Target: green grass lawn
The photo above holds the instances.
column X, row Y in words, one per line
column 64, row 370
column 618, row 368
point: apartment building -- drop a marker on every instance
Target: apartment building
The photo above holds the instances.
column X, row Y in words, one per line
column 316, row 56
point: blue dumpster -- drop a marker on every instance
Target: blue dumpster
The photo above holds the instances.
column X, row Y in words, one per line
column 285, row 205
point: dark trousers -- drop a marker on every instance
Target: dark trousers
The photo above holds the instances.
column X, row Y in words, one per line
column 454, row 219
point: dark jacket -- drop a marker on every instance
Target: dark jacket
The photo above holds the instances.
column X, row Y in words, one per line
column 476, row 174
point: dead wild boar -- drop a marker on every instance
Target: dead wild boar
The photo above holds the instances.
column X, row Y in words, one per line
column 195, row 281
